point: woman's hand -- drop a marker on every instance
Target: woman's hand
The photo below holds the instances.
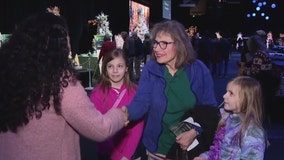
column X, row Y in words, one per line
column 186, row 138
column 124, row 110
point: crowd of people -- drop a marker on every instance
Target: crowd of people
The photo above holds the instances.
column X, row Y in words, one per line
column 44, row 108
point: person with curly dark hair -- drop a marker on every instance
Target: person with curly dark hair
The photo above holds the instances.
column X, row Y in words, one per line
column 43, row 107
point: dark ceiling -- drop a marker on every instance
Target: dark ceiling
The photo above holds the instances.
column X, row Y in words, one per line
column 228, row 15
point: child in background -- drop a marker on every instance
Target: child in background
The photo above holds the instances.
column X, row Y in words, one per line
column 115, row 89
column 240, row 134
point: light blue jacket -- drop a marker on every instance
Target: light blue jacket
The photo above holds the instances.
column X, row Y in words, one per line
column 150, row 99
column 253, row 143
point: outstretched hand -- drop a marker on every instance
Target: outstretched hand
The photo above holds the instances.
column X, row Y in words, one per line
column 125, row 111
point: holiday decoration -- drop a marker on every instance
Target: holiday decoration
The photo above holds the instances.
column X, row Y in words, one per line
column 76, row 60
column 55, row 10
column 103, row 25
column 141, row 27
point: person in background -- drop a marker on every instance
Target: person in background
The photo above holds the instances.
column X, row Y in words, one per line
column 259, row 66
column 129, row 49
column 245, row 59
column 269, row 40
column 43, row 107
column 107, row 46
column 262, row 34
column 139, row 54
column 240, row 134
column 171, row 83
column 147, row 47
column 222, row 52
column 115, row 89
column 240, row 42
column 257, row 57
column 206, row 49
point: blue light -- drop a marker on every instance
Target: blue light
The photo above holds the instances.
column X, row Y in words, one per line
column 262, row 14
column 260, row 9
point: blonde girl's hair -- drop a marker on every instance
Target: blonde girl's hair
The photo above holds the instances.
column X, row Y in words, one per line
column 251, row 104
column 250, row 100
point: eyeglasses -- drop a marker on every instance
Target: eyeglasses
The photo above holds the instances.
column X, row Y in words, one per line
column 163, row 44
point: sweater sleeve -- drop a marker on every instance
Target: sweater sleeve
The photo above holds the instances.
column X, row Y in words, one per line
column 202, row 84
column 253, row 146
column 260, row 62
column 80, row 113
column 141, row 101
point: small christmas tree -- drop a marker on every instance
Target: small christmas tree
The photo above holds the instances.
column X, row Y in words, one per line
column 103, row 25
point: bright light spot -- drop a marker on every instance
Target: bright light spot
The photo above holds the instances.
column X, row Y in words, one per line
column 262, row 14
column 261, row 6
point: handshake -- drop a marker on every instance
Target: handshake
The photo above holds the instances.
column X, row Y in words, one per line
column 126, row 115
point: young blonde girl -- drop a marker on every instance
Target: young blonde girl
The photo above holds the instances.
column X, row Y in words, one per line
column 115, row 89
column 240, row 134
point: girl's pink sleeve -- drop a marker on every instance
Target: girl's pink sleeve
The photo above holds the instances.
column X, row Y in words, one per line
column 96, row 98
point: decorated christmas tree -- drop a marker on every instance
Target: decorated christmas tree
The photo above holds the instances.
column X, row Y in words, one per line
column 103, row 25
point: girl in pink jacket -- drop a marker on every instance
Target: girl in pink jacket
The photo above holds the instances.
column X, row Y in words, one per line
column 115, row 89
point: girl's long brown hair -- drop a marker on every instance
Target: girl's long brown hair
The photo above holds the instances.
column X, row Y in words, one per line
column 104, row 78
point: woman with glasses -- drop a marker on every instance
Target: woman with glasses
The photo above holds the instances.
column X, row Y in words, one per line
column 171, row 83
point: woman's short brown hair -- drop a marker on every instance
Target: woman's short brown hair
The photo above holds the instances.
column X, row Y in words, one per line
column 185, row 52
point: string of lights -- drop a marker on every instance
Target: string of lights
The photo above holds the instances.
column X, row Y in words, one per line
column 261, row 9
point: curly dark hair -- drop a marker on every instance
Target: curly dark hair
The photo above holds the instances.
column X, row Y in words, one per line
column 35, row 69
